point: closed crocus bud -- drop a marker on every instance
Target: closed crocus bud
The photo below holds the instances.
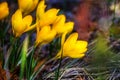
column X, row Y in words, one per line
column 48, row 17
column 4, row 10
column 27, row 6
column 45, row 35
column 60, row 26
column 20, row 24
column 72, row 47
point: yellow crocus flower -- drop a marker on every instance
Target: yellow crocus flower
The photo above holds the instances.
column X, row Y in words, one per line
column 72, row 47
column 60, row 26
column 20, row 24
column 27, row 6
column 45, row 18
column 4, row 10
column 48, row 17
column 45, row 35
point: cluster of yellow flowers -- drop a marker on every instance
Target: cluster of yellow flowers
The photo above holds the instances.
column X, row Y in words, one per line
column 48, row 26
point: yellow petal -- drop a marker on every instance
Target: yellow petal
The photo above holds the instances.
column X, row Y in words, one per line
column 60, row 20
column 41, row 34
column 40, row 9
column 27, row 5
column 30, row 27
column 74, row 52
column 27, row 20
column 58, row 25
column 45, row 30
column 74, row 55
column 45, row 35
column 81, row 44
column 78, row 48
column 83, row 50
column 68, row 27
column 35, row 2
column 4, row 10
column 71, row 40
column 51, row 35
column 49, row 17
column 17, row 23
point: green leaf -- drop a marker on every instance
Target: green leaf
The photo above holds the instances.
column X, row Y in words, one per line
column 23, row 57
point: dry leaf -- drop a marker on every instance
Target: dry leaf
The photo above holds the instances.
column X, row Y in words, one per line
column 2, row 72
column 84, row 25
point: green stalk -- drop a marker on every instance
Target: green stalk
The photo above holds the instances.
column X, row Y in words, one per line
column 58, row 70
column 29, row 64
column 57, row 73
column 23, row 57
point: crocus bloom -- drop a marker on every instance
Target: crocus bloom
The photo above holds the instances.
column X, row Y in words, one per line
column 45, row 35
column 60, row 26
column 49, row 17
column 45, row 17
column 20, row 24
column 27, row 6
column 4, row 10
column 72, row 47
